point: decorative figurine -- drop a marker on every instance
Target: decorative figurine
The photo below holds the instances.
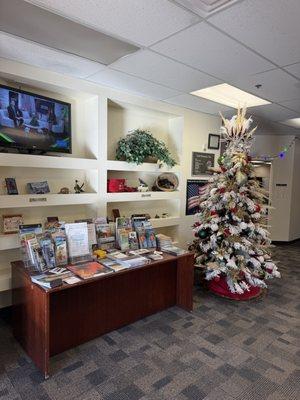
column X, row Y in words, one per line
column 78, row 188
column 143, row 187
column 64, row 190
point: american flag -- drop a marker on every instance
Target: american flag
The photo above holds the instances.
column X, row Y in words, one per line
column 195, row 188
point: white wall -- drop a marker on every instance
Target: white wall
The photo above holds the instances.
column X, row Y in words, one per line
column 295, row 203
column 284, row 186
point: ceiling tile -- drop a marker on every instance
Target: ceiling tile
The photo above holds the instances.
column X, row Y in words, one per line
column 121, row 81
column 21, row 50
column 154, row 67
column 277, row 85
column 294, row 69
column 292, row 104
column 204, row 47
column 273, row 112
column 141, row 21
column 271, row 27
column 197, row 104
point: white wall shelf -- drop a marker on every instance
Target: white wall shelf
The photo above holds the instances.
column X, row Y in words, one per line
column 9, row 241
column 165, row 222
column 139, row 196
column 145, row 167
column 36, row 161
column 42, row 200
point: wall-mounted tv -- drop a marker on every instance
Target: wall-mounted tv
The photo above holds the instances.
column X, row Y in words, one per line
column 34, row 123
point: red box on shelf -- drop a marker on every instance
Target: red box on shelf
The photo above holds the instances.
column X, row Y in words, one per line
column 115, row 185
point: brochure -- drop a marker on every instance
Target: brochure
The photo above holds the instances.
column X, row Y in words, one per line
column 77, row 239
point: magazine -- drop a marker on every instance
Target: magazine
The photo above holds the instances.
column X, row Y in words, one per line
column 133, row 240
column 123, row 228
column 89, row 270
column 104, row 236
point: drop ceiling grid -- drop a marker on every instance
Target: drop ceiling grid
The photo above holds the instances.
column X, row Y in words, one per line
column 151, row 82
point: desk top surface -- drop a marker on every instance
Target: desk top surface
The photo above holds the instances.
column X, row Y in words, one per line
column 27, row 272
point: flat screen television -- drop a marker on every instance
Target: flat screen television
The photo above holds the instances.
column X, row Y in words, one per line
column 34, row 123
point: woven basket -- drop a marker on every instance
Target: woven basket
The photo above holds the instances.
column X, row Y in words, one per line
column 167, row 176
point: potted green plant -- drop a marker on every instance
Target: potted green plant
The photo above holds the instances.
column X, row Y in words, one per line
column 139, row 146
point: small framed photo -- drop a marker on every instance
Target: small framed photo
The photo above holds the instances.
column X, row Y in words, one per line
column 213, row 141
column 11, row 223
column 11, row 186
column 201, row 163
column 38, row 187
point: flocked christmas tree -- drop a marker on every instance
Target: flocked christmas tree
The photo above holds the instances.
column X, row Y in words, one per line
column 232, row 242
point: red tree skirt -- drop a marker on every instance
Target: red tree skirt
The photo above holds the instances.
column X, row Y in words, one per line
column 221, row 288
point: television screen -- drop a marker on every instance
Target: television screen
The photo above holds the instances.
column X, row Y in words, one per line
column 32, row 122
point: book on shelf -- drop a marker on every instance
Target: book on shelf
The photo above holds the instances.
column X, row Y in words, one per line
column 89, row 269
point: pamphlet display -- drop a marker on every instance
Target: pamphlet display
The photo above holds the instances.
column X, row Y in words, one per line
column 66, row 253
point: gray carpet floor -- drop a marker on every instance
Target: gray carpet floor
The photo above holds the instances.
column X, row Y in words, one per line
column 223, row 350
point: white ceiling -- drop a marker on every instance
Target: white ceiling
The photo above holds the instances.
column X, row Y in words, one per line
column 185, row 45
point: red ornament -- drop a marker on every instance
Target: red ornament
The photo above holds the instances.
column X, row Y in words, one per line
column 222, row 190
column 234, row 210
column 223, row 169
column 213, row 213
column 226, row 232
column 257, row 208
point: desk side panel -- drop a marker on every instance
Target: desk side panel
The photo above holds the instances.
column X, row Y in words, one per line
column 30, row 318
column 81, row 313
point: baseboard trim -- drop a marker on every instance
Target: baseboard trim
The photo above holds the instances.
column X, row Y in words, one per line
column 279, row 242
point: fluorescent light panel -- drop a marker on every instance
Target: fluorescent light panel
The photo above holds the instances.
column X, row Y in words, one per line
column 230, row 96
column 25, row 20
column 294, row 122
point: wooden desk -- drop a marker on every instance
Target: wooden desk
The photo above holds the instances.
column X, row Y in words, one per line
column 48, row 322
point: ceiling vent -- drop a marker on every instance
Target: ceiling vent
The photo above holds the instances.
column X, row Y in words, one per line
column 205, row 8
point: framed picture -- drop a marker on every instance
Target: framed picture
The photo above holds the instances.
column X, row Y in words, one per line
column 194, row 190
column 38, row 187
column 11, row 186
column 11, row 223
column 201, row 162
column 213, row 141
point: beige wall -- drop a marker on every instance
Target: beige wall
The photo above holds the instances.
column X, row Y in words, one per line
column 295, row 204
column 284, row 217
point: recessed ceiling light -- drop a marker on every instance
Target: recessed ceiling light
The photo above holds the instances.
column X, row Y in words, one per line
column 294, row 122
column 230, row 96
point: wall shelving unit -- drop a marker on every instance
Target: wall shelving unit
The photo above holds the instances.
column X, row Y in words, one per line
column 98, row 121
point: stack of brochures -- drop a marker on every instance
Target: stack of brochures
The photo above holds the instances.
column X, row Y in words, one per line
column 175, row 251
column 129, row 261
column 163, row 241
